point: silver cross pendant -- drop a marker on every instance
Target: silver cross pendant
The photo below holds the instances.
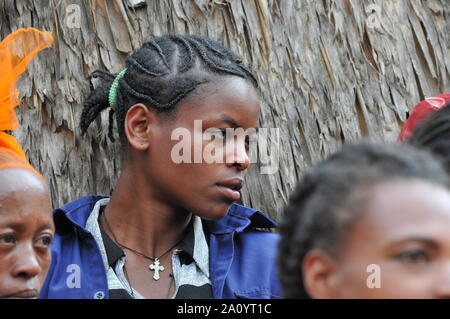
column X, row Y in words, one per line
column 156, row 268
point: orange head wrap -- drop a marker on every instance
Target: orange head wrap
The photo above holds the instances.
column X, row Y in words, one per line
column 16, row 52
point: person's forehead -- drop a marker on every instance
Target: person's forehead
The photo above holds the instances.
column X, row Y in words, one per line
column 397, row 211
column 25, row 211
column 233, row 98
column 411, row 193
column 407, row 206
column 22, row 193
column 18, row 179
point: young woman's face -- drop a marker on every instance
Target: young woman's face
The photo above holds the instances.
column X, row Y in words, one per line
column 206, row 189
column 26, row 230
column 405, row 236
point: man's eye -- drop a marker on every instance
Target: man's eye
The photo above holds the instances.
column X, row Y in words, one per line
column 7, row 239
column 413, row 257
column 45, row 240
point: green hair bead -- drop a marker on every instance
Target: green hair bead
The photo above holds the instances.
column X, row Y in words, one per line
column 113, row 90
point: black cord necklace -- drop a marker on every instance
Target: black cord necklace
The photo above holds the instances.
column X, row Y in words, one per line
column 155, row 266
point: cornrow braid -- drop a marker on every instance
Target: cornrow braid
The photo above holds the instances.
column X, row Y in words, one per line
column 96, row 102
column 433, row 134
column 189, row 60
column 111, row 126
column 136, row 64
column 156, row 103
column 159, row 50
column 223, row 52
column 161, row 74
column 328, row 201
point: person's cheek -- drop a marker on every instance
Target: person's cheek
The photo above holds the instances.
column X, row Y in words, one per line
column 3, row 272
column 350, row 277
column 398, row 281
column 45, row 261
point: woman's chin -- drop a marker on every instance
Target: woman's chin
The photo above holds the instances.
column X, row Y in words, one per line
column 215, row 212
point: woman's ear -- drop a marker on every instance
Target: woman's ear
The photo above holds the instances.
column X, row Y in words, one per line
column 137, row 124
column 319, row 275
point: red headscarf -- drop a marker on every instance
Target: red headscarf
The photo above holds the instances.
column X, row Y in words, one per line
column 420, row 111
column 16, row 52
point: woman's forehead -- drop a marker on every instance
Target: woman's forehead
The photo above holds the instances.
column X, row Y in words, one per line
column 408, row 206
column 16, row 179
column 234, row 101
column 22, row 191
column 25, row 208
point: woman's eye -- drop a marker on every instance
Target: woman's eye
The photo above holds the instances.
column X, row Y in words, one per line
column 226, row 137
column 218, row 135
column 7, row 239
column 413, row 257
column 45, row 240
column 221, row 136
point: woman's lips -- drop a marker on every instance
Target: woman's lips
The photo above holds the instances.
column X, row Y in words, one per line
column 231, row 187
column 27, row 294
column 228, row 192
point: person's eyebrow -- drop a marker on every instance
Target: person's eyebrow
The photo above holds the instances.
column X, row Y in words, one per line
column 19, row 226
column 230, row 121
column 15, row 225
column 423, row 240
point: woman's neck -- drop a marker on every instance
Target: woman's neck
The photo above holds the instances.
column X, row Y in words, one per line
column 142, row 221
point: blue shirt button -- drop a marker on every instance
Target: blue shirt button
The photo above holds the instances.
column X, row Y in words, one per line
column 99, row 295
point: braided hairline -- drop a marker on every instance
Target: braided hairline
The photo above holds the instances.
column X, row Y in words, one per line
column 212, row 64
column 159, row 50
column 184, row 93
column 188, row 48
column 154, row 102
column 135, row 63
column 197, row 42
column 230, row 55
column 140, row 64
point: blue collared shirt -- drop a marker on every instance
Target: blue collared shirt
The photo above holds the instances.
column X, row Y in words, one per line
column 242, row 258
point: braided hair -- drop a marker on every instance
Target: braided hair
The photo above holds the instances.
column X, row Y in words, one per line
column 433, row 134
column 160, row 74
column 333, row 195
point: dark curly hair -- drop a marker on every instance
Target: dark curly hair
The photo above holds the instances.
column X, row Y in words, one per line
column 160, row 74
column 433, row 134
column 328, row 200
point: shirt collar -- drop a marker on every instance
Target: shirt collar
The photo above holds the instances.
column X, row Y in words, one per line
column 238, row 219
column 195, row 245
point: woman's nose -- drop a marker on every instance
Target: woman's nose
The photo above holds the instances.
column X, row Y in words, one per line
column 239, row 157
column 26, row 262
